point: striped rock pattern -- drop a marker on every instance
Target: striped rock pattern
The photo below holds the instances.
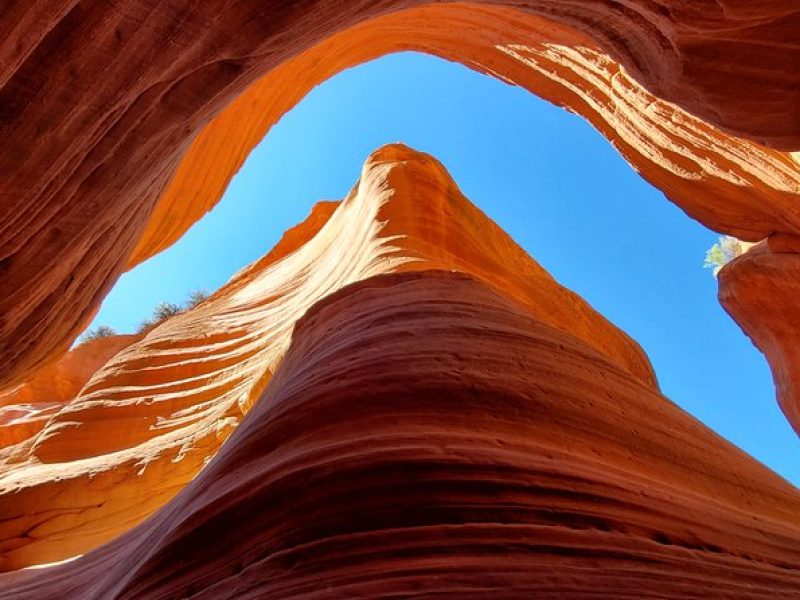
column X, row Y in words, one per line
column 426, row 436
column 149, row 419
column 122, row 124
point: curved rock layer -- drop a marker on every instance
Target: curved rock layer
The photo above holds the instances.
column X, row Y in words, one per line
column 424, row 437
column 99, row 103
column 61, row 381
column 761, row 291
column 149, row 419
column 25, row 409
column 730, row 184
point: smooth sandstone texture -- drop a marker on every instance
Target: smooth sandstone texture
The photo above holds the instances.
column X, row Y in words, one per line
column 425, row 436
column 100, row 102
column 730, row 184
column 761, row 291
column 62, row 380
column 26, row 408
column 148, row 420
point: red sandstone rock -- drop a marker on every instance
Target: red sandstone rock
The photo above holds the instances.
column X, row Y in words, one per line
column 761, row 291
column 100, row 103
column 151, row 417
column 62, row 380
column 426, row 436
column 26, row 408
column 430, row 432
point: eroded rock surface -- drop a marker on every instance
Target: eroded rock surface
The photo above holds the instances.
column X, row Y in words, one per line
column 761, row 291
column 148, row 420
column 104, row 108
column 426, row 436
column 408, row 402
column 26, row 408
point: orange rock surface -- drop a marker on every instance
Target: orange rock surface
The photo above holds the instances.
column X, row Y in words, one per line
column 150, row 418
column 59, row 382
column 26, row 408
column 112, row 115
column 761, row 291
column 396, row 400
column 425, row 436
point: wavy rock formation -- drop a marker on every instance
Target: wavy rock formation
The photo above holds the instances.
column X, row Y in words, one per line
column 761, row 291
column 426, row 436
column 148, row 420
column 100, row 104
column 26, row 408
column 396, row 400
column 60, row 382
column 728, row 183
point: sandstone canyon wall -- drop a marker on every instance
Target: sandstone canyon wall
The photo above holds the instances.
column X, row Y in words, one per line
column 150, row 418
column 761, row 291
column 396, row 399
column 26, row 408
column 409, row 404
column 112, row 112
column 425, row 436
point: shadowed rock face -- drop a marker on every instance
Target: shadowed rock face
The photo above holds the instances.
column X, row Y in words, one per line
column 425, row 435
column 408, row 403
column 761, row 291
column 148, row 420
column 122, row 124
column 445, row 418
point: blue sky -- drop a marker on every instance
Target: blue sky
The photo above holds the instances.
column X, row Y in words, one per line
column 545, row 176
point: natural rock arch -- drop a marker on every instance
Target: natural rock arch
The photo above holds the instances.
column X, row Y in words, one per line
column 535, row 425
column 101, row 107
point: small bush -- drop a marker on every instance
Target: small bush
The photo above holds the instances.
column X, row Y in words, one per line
column 145, row 326
column 101, row 331
column 166, row 310
column 197, row 297
column 161, row 312
column 723, row 252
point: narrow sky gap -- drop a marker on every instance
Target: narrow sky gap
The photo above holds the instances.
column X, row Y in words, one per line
column 551, row 181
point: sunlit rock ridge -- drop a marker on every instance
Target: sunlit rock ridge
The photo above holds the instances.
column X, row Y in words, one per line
column 149, row 418
column 122, row 123
column 396, row 399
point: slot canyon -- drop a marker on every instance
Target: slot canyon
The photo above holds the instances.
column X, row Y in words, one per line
column 396, row 400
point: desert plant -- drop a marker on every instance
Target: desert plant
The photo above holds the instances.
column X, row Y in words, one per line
column 161, row 312
column 164, row 310
column 101, row 331
column 145, row 326
column 197, row 297
column 723, row 252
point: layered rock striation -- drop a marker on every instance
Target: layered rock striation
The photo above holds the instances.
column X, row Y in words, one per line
column 409, row 404
column 26, row 408
column 123, row 124
column 148, row 420
column 425, row 435
column 761, row 291
column 396, row 400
